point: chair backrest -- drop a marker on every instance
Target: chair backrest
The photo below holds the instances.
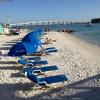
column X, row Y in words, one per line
column 32, row 77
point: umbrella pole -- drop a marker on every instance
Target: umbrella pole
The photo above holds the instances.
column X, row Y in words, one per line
column 44, row 51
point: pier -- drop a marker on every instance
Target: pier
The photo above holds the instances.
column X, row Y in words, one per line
column 39, row 23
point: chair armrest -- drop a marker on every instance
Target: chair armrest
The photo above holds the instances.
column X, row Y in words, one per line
column 26, row 74
column 37, row 71
column 44, row 83
column 29, row 64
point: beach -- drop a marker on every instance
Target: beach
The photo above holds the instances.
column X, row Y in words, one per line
column 76, row 58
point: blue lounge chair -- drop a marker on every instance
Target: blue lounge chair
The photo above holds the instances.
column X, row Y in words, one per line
column 40, row 70
column 52, row 79
column 50, row 48
column 46, row 52
column 50, row 51
column 24, row 62
column 45, row 81
column 30, row 58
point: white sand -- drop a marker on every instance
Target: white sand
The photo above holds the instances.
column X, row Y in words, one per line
column 76, row 59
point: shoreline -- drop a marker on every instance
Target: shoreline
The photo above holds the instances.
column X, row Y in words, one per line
column 86, row 40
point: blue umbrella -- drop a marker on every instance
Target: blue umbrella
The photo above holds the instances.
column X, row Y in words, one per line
column 33, row 38
column 39, row 31
column 22, row 48
column 32, row 35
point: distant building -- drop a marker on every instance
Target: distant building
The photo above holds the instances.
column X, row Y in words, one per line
column 4, row 29
column 1, row 29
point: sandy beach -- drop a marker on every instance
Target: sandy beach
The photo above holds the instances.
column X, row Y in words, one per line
column 77, row 59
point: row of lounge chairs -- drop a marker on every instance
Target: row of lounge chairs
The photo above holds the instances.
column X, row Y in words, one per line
column 36, row 74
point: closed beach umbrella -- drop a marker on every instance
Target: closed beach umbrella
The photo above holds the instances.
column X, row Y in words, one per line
column 22, row 48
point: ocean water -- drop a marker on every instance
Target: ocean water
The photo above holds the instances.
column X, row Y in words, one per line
column 90, row 33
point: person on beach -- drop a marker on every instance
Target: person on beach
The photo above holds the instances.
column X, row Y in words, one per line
column 47, row 41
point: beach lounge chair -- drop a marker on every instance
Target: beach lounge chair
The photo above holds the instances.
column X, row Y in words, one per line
column 24, row 62
column 48, row 50
column 30, row 58
column 43, row 52
column 40, row 70
column 45, row 81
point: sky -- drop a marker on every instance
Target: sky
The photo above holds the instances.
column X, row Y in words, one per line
column 39, row 10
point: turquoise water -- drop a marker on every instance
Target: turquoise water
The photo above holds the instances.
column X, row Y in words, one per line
column 84, row 31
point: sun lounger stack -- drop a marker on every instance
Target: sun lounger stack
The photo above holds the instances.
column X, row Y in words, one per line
column 28, row 46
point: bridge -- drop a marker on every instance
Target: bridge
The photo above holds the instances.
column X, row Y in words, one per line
column 42, row 23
